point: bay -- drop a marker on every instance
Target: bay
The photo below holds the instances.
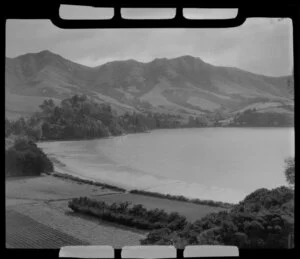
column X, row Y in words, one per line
column 223, row 164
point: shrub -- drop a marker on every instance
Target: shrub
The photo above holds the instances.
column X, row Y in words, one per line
column 264, row 219
column 25, row 158
column 134, row 216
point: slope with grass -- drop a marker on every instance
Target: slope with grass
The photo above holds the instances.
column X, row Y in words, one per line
column 185, row 85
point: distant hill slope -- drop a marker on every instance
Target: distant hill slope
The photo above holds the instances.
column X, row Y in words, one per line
column 185, row 85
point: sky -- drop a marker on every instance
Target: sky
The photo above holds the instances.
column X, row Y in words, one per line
column 260, row 45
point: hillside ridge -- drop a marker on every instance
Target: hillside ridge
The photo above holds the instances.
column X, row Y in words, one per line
column 183, row 85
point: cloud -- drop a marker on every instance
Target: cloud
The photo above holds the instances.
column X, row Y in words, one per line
column 260, row 45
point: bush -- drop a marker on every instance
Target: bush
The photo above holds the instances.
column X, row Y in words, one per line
column 264, row 219
column 134, row 216
column 25, row 158
column 290, row 170
column 155, row 236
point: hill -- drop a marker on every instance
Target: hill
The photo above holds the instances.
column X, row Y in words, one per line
column 184, row 85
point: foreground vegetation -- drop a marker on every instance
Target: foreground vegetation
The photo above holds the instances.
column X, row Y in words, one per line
column 23, row 158
column 191, row 211
column 264, row 219
column 185, row 199
column 134, row 216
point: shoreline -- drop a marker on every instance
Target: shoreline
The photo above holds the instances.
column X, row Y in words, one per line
column 86, row 181
column 117, row 187
column 197, row 201
column 150, row 131
column 96, row 138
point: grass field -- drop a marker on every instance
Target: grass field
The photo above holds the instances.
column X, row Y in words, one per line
column 37, row 214
column 49, row 188
column 24, row 232
column 37, row 211
column 191, row 211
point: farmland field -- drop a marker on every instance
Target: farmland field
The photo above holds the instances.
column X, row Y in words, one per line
column 191, row 211
column 24, row 232
column 42, row 188
column 37, row 210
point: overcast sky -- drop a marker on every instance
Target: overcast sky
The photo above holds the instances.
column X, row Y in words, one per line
column 260, row 45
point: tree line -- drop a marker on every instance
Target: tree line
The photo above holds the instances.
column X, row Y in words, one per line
column 253, row 118
column 124, row 213
column 79, row 117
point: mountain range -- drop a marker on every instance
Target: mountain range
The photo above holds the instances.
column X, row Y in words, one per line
column 184, row 85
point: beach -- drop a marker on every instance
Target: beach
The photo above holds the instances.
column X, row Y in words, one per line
column 219, row 164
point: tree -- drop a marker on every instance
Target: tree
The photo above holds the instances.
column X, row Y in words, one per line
column 46, row 130
column 157, row 235
column 290, row 171
column 47, row 107
column 25, row 158
column 34, row 132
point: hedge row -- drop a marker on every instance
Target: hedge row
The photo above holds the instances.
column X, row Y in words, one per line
column 185, row 199
column 123, row 213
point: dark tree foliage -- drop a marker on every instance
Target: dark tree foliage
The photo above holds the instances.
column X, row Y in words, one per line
column 290, row 170
column 25, row 158
column 21, row 127
column 134, row 216
column 264, row 219
column 79, row 117
column 252, row 118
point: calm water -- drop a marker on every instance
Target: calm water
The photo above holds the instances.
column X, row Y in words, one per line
column 209, row 163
